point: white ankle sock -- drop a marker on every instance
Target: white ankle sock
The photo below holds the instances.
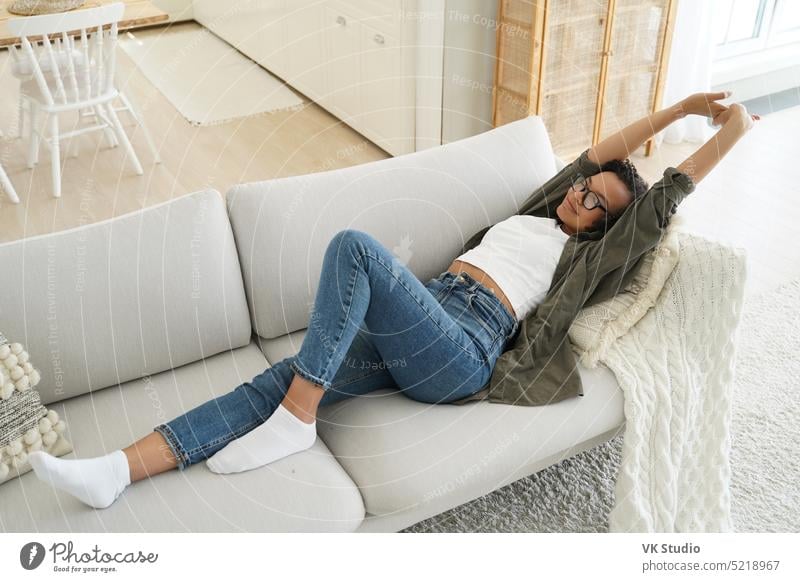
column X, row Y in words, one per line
column 280, row 436
column 97, row 481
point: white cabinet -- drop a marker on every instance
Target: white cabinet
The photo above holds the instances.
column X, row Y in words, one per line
column 304, row 63
column 341, row 64
column 354, row 58
column 370, row 70
column 386, row 109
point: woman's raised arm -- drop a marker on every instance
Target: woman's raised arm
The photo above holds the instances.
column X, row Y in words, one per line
column 621, row 144
column 736, row 123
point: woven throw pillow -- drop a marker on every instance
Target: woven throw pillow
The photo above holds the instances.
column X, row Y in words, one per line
column 25, row 424
column 596, row 327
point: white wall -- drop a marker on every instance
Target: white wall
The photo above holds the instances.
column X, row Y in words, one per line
column 469, row 51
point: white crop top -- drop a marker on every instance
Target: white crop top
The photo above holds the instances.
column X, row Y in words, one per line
column 520, row 254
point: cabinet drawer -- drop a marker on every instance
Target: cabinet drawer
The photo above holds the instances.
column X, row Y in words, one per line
column 385, row 15
column 385, row 110
column 342, row 46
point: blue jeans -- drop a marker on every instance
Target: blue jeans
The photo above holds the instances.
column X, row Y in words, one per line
column 374, row 325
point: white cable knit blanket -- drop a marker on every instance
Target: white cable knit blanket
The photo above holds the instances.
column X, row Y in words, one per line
column 675, row 366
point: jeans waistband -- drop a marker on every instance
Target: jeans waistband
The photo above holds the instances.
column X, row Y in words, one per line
column 475, row 286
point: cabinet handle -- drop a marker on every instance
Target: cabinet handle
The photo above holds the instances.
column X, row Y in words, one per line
column 341, row 20
column 379, row 38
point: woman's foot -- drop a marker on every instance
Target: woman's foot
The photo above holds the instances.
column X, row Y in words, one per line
column 97, row 481
column 281, row 435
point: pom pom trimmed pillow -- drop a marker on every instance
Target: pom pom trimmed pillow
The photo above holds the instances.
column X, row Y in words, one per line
column 596, row 327
column 25, row 424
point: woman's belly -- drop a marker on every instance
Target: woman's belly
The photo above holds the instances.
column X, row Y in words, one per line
column 481, row 277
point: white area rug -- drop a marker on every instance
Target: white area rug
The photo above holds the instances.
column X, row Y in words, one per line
column 205, row 78
column 577, row 494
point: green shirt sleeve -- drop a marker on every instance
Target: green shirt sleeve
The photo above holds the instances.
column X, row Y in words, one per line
column 673, row 187
column 637, row 231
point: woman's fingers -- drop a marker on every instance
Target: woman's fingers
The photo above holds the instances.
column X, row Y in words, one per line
column 716, row 109
column 720, row 114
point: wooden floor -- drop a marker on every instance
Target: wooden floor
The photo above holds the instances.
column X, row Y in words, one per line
column 751, row 200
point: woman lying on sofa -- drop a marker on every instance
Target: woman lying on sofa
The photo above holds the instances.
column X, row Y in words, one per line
column 375, row 325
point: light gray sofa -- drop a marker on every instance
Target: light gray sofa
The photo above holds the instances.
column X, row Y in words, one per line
column 134, row 320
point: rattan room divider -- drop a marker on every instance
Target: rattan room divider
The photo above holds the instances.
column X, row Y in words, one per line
column 587, row 67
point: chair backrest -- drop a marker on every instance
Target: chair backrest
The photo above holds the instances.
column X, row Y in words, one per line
column 78, row 47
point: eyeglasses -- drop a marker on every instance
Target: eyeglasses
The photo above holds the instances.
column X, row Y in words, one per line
column 590, row 200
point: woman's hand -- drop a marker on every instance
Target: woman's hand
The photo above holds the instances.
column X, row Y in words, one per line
column 703, row 104
column 738, row 110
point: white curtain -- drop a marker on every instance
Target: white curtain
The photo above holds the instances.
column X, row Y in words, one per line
column 689, row 69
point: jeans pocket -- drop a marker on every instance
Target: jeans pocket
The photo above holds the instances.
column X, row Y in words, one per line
column 441, row 292
column 440, row 287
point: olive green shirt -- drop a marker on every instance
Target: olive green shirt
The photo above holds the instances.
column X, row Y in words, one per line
column 540, row 367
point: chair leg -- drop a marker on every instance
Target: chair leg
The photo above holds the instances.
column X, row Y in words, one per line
column 33, row 143
column 6, row 185
column 55, row 155
column 129, row 106
column 123, row 139
column 108, row 132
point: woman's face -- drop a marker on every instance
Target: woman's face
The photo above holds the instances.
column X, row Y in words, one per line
column 613, row 195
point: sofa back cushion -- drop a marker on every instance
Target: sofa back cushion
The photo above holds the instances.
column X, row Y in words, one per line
column 422, row 206
column 121, row 299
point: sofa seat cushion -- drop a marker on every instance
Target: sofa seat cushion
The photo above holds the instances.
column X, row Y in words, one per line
column 308, row 491
column 405, row 454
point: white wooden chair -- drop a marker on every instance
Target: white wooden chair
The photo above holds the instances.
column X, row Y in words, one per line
column 71, row 68
column 22, row 70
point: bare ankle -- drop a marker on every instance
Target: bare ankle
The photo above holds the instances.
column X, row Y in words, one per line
column 302, row 399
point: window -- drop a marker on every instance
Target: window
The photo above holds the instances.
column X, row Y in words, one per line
column 746, row 26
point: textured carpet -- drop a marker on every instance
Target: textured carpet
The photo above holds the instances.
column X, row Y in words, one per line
column 577, row 494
